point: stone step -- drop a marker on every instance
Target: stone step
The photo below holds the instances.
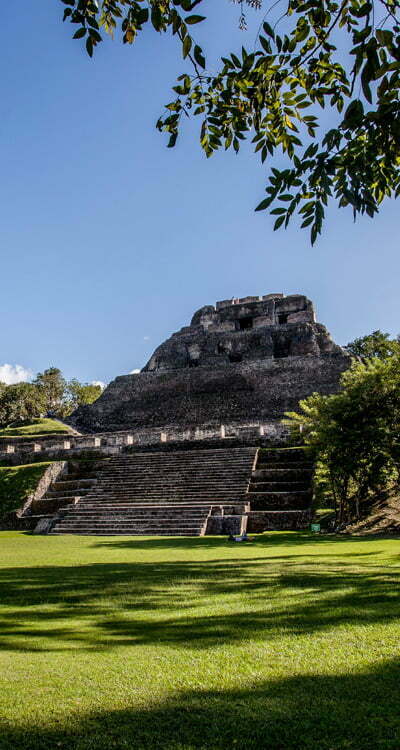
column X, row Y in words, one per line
column 81, row 476
column 271, row 474
column 177, row 454
column 113, row 532
column 85, row 503
column 234, row 465
column 188, row 472
column 194, row 479
column 121, row 524
column 136, row 514
column 281, row 486
column 278, row 494
column 164, row 492
column 143, row 527
column 285, row 454
column 188, row 459
column 281, row 465
column 68, row 482
column 68, row 498
column 233, row 470
column 78, row 491
column 167, row 492
column 280, row 501
column 172, row 482
column 169, row 502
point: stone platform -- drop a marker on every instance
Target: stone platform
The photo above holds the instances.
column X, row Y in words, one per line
column 188, row 492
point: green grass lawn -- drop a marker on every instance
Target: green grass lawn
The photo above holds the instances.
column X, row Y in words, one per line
column 16, row 483
column 36, row 428
column 192, row 644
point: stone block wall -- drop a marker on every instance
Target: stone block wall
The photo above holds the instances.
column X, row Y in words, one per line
column 259, row 521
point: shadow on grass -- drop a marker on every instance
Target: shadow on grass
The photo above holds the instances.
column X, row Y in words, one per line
column 272, row 540
column 190, row 604
column 302, row 712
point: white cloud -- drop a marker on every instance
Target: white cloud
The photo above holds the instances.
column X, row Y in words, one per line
column 100, row 383
column 146, row 338
column 134, row 372
column 11, row 374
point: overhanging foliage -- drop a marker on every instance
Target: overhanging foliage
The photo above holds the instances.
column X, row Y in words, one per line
column 339, row 55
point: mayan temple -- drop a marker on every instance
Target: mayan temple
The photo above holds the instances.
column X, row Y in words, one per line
column 243, row 360
column 194, row 444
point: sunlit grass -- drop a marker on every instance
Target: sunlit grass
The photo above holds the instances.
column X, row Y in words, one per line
column 289, row 642
column 17, row 482
column 36, row 428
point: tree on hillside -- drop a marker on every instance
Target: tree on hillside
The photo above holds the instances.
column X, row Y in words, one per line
column 52, row 386
column 82, row 393
column 376, row 344
column 48, row 394
column 342, row 55
column 21, row 402
column 355, row 434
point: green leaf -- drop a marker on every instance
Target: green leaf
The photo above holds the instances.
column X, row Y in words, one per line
column 80, row 33
column 89, row 46
column 198, row 56
column 384, row 37
column 264, row 204
column 279, row 222
column 186, row 46
column 194, row 19
column 268, row 30
column 265, row 44
column 365, row 79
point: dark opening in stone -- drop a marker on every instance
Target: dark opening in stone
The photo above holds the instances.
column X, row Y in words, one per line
column 234, row 357
column 243, row 324
column 281, row 348
column 282, row 318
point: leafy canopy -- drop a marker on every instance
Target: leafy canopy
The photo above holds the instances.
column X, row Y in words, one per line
column 343, row 55
column 355, row 434
column 376, row 344
column 49, row 393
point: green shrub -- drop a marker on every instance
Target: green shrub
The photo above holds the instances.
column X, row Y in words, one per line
column 355, row 434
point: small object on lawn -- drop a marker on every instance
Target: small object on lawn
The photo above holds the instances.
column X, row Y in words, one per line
column 316, row 527
column 242, row 538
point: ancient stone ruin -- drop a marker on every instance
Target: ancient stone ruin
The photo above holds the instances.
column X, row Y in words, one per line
column 193, row 444
column 242, row 360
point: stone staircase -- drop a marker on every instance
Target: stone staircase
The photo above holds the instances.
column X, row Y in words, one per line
column 161, row 493
column 280, row 490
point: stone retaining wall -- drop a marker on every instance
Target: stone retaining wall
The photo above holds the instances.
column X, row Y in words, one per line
column 14, row 452
column 259, row 521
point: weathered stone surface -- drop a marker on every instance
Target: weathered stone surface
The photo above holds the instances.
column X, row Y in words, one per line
column 243, row 359
column 265, row 520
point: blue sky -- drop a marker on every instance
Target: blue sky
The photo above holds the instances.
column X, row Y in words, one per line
column 109, row 241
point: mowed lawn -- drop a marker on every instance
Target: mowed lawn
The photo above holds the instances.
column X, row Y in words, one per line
column 36, row 427
column 290, row 642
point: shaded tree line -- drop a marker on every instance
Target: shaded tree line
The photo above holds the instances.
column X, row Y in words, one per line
column 49, row 394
